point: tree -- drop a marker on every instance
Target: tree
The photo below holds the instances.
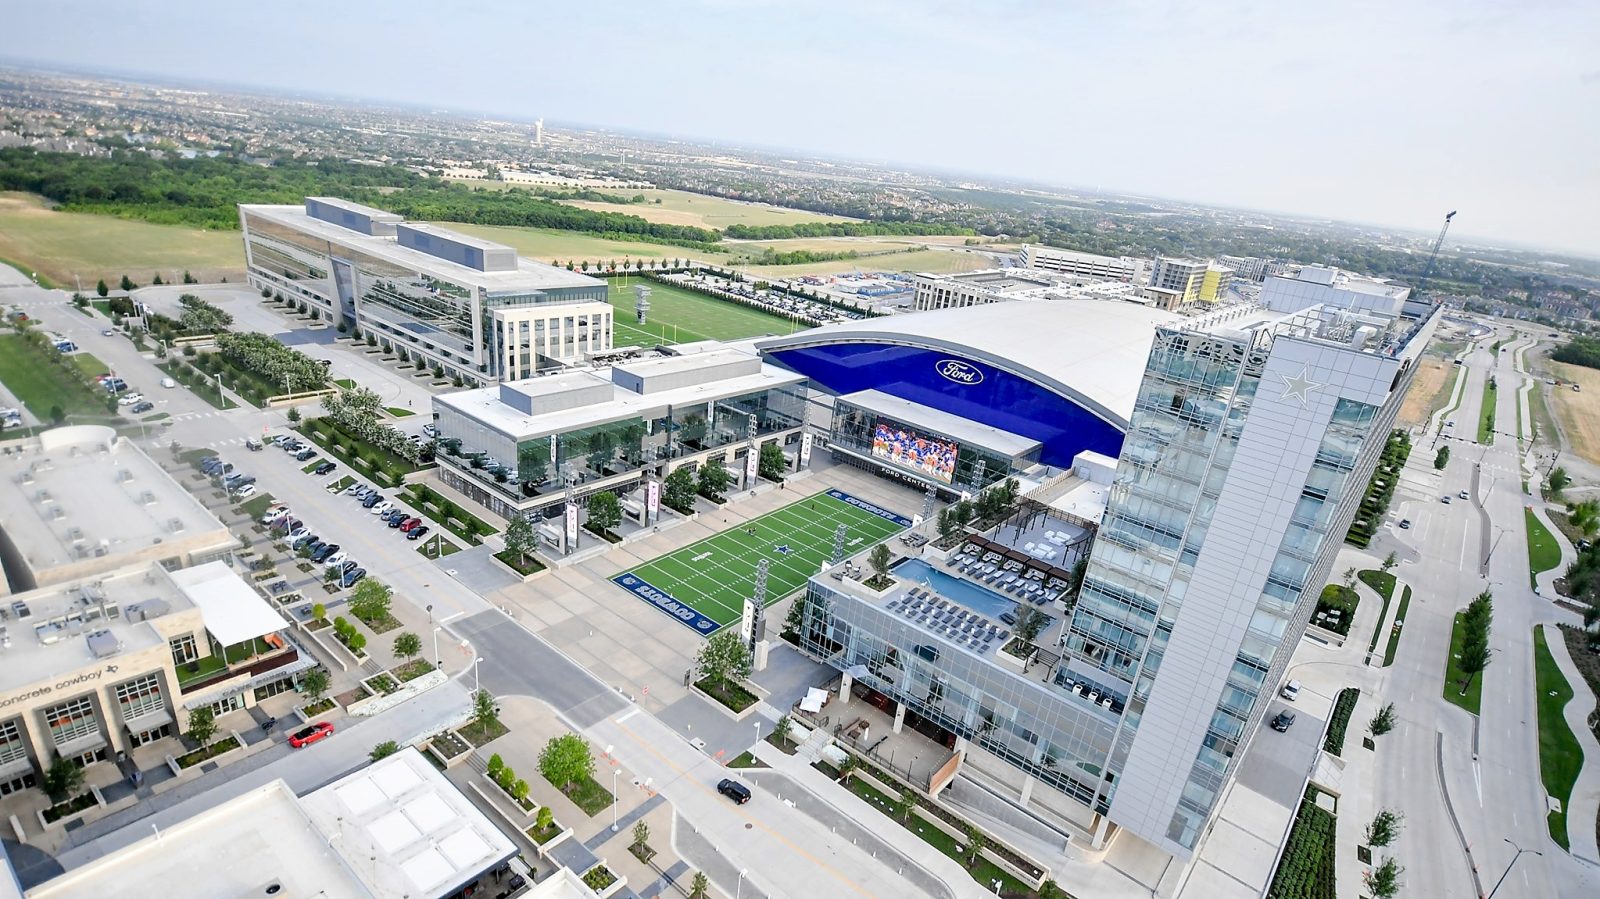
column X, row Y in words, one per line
column 1385, row 828
column 294, row 415
column 1383, row 721
column 127, row 283
column 202, row 725
column 678, row 489
column 1030, row 623
column 1441, row 458
column 772, row 463
column 641, row 834
column 1585, row 516
column 723, row 658
column 781, row 729
column 520, row 537
column 947, row 525
column 699, row 886
column 1474, row 657
column 605, row 512
column 1475, row 624
column 714, row 479
column 157, row 279
column 1350, row 578
column 565, row 760
column 384, row 750
column 188, row 278
column 1389, row 562
column 101, row 288
column 905, row 804
column 371, row 600
column 63, row 778
column 58, row 414
column 879, row 560
column 319, row 612
column 974, row 838
column 315, row 684
column 545, row 819
column 407, row 645
column 1558, row 480
column 847, row 768
column 485, row 713
column 1383, row 882
column 495, row 766
column 80, row 301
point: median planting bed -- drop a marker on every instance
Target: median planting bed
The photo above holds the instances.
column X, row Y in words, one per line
column 1305, row 870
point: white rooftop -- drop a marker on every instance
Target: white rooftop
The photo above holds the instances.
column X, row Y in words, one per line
column 233, row 612
column 1093, row 351
column 527, row 276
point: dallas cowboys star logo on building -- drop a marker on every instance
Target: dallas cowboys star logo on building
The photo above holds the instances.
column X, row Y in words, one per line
column 1299, row 387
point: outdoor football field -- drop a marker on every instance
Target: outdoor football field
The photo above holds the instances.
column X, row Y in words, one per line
column 704, row 585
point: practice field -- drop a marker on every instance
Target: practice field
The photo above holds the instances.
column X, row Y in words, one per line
column 549, row 245
column 66, row 246
column 704, row 585
column 679, row 316
column 932, row 261
column 679, row 207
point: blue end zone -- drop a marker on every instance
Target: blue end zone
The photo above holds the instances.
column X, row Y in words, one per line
column 870, row 509
column 666, row 602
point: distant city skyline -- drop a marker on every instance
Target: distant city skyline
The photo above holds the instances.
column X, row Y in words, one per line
column 1360, row 112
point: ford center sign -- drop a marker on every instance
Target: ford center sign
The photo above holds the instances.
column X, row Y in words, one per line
column 959, row 372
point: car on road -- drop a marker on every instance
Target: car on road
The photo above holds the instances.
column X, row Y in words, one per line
column 1445, row 499
column 1283, row 721
column 418, row 532
column 1405, row 524
column 734, row 790
column 142, row 406
column 107, row 332
column 305, row 736
column 254, row 445
column 324, row 468
column 1463, row 495
column 168, row 383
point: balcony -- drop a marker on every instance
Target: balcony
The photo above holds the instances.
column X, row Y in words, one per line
column 246, row 659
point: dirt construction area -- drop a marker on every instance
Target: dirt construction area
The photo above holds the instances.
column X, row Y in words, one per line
column 1430, row 390
column 1579, row 411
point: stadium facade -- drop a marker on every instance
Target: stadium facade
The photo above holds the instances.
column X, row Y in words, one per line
column 1245, row 438
column 470, row 307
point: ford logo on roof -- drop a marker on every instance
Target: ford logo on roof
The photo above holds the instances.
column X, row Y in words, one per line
column 959, row 372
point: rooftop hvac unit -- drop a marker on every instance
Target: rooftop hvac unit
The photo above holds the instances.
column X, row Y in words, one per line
column 42, row 497
column 148, row 498
column 175, row 525
column 124, row 476
column 80, row 552
column 101, row 551
column 75, row 534
column 56, row 513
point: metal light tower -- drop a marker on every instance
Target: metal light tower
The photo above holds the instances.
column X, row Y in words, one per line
column 641, row 302
column 1433, row 256
column 928, row 499
column 839, row 534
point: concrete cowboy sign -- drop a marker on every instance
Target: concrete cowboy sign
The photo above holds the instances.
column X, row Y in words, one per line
column 85, row 677
column 666, row 602
column 869, row 508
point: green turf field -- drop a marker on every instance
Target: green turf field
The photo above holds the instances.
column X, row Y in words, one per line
column 704, row 585
column 679, row 316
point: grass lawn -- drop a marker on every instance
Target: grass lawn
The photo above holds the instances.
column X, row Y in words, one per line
column 523, row 565
column 1544, row 553
column 28, row 373
column 935, row 261
column 257, row 505
column 68, row 246
column 392, row 466
column 1394, row 632
column 588, row 795
column 679, row 316
column 1560, row 755
column 1472, row 700
column 312, row 465
column 397, row 412
column 1383, row 582
column 1539, row 411
column 89, row 364
column 984, row 871
column 437, row 549
column 460, row 522
column 1434, row 384
column 713, row 576
column 1579, row 413
column 678, row 207
column 206, row 665
column 1486, row 414
column 346, row 383
column 201, row 387
column 547, row 245
column 745, row 760
column 478, row 734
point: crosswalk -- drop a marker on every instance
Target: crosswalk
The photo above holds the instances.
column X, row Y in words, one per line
column 223, row 444
column 195, row 416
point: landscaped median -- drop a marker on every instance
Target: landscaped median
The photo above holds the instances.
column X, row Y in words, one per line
column 1306, row 867
column 1560, row 754
column 1395, row 628
column 1471, row 698
column 447, row 514
column 1544, row 553
column 386, row 468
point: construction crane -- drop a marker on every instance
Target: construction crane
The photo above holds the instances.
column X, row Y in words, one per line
column 1427, row 271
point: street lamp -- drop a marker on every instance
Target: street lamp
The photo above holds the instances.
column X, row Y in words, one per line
column 475, row 661
column 739, row 889
column 615, row 772
column 1507, row 873
column 438, row 660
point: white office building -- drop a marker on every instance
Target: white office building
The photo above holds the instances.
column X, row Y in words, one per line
column 1068, row 262
column 1001, row 285
column 1323, row 285
column 439, row 298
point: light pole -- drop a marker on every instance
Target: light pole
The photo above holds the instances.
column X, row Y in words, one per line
column 738, row 890
column 475, row 661
column 615, row 772
column 1507, row 873
column 438, row 661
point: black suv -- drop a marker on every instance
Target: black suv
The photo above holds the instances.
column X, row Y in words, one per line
column 1283, row 721
column 734, row 790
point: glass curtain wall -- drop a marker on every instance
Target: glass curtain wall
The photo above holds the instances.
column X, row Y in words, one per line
column 976, row 467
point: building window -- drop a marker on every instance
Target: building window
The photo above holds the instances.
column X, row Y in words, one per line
column 140, row 696
column 183, row 650
column 281, row 685
column 70, row 720
column 12, row 746
column 223, row 706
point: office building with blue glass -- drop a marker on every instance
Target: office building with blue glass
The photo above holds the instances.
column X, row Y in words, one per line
column 1245, row 438
column 469, row 307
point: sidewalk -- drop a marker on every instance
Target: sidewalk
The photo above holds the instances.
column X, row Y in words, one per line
column 1584, row 804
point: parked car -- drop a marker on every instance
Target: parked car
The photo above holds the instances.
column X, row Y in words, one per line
column 353, row 577
column 305, row 455
column 305, row 736
column 354, row 489
column 1405, row 524
column 431, row 431
column 1283, row 721
column 274, row 513
column 383, row 508
column 734, row 790
column 254, row 445
column 168, row 383
column 335, row 560
column 349, row 565
column 418, row 532
column 300, row 535
column 396, row 518
column 128, row 399
column 314, row 544
column 326, row 550
column 372, row 499
column 410, row 524
column 233, row 477
column 283, row 440
column 324, row 468
column 1463, row 495
column 1290, row 691
column 142, row 407
column 244, row 490
column 1445, row 499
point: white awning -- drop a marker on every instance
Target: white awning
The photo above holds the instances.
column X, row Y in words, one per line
column 814, row 700
column 146, row 723
column 233, row 612
column 87, row 743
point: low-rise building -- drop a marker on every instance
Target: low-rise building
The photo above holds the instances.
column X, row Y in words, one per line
column 1068, row 262
column 102, row 665
column 1176, row 283
column 515, row 447
column 395, row 829
column 1327, row 286
column 1002, row 285
column 78, row 501
column 469, row 306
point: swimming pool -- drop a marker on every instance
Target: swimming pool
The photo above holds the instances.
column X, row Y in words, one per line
column 978, row 599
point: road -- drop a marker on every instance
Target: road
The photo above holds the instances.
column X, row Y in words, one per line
column 1489, row 767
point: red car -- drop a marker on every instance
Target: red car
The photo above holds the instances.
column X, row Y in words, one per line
column 410, row 523
column 308, row 735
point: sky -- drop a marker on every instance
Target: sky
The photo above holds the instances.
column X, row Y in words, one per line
column 1389, row 112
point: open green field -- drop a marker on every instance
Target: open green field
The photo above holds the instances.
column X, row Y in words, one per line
column 40, row 386
column 1544, row 553
column 678, row 207
column 823, row 245
column 547, row 245
column 678, row 316
column 933, row 261
column 704, row 585
column 67, row 246
column 1560, row 754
